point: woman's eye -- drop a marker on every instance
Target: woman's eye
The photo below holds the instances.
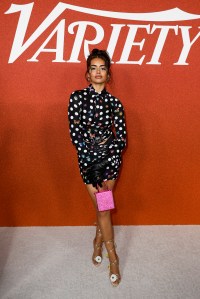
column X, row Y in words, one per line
column 101, row 68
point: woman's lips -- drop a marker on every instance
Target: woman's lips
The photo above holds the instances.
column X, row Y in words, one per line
column 98, row 77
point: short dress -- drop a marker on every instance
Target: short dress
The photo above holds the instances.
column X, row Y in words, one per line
column 98, row 131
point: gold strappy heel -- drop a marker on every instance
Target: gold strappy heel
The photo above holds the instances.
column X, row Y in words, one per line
column 98, row 246
column 115, row 278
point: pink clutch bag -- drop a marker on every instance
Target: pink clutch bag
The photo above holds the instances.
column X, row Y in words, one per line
column 105, row 200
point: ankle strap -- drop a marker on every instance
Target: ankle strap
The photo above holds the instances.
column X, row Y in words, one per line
column 109, row 242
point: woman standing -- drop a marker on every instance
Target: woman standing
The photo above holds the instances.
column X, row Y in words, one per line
column 97, row 129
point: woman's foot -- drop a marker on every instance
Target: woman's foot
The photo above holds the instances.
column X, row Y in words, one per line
column 114, row 274
column 98, row 248
column 115, row 277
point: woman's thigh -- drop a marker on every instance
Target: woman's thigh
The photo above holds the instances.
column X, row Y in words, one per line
column 92, row 190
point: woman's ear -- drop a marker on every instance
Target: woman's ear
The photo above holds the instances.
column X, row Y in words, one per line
column 87, row 76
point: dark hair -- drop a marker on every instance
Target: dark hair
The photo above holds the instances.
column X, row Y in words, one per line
column 103, row 54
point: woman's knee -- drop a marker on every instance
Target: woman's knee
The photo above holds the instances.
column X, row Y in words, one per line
column 103, row 214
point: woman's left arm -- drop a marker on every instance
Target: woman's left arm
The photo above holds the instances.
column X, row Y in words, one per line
column 119, row 142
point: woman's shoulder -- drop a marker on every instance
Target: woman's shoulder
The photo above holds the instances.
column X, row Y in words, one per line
column 113, row 99
column 78, row 94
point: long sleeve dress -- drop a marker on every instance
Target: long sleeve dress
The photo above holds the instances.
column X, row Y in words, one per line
column 98, row 131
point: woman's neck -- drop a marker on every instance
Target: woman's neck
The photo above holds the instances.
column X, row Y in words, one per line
column 98, row 87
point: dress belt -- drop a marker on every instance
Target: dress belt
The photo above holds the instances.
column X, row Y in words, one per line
column 107, row 140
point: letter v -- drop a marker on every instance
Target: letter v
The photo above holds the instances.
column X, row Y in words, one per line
column 18, row 47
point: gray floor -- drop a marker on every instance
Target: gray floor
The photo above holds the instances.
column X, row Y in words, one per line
column 157, row 262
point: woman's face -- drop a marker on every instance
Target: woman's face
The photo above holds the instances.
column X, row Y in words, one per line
column 98, row 72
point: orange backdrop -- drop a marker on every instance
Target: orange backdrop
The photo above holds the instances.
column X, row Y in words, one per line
column 159, row 181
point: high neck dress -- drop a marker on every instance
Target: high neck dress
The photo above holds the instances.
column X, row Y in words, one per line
column 98, row 131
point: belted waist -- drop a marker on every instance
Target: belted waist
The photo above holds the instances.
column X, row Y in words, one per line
column 102, row 141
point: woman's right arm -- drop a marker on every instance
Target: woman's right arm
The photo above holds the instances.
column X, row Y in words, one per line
column 74, row 117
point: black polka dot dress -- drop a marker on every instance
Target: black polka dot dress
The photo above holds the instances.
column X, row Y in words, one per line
column 97, row 129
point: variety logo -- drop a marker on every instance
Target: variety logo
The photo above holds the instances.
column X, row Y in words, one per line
column 19, row 45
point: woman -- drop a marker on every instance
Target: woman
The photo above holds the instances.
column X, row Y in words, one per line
column 97, row 129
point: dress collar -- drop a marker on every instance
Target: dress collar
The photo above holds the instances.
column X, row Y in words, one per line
column 92, row 91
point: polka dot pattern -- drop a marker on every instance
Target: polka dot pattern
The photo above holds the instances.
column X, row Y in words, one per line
column 92, row 117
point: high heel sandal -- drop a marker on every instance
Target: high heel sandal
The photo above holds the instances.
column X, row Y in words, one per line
column 97, row 259
column 115, row 278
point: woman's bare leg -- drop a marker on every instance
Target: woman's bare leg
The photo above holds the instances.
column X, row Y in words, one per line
column 106, row 228
column 103, row 218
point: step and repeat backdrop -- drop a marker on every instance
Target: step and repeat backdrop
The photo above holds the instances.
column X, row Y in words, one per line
column 154, row 46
